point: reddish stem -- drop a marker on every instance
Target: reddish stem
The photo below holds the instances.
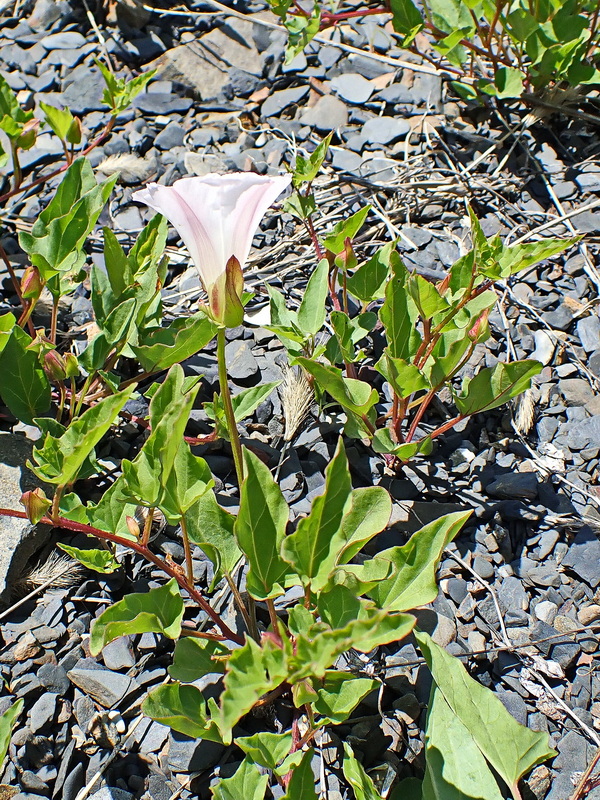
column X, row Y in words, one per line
column 109, row 126
column 145, row 552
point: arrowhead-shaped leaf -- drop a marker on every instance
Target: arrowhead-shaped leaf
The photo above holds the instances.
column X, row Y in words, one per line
column 156, row 611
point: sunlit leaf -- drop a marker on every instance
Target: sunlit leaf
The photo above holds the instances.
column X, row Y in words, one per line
column 96, row 560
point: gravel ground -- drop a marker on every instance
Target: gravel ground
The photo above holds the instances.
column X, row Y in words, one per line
column 519, row 590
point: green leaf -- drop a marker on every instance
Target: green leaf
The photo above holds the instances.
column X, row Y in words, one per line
column 311, row 314
column 25, row 389
column 309, row 550
column 56, row 241
column 7, row 323
column 357, row 396
column 59, row 119
column 246, row 784
column 9, row 104
column 383, row 443
column 59, row 458
column 399, row 314
column 369, row 280
column 404, row 378
column 450, row 15
column 513, row 749
column 302, row 782
column 188, row 480
column 406, row 19
column 260, row 528
column 508, row 82
column 369, row 514
column 348, row 332
column 266, row 749
column 522, row 256
column 183, row 708
column 148, row 474
column 426, row 297
column 335, row 241
column 160, row 348
column 96, row 560
column 120, row 92
column 156, row 611
column 318, row 649
column 455, row 767
column 307, row 169
column 252, row 670
column 116, row 331
column 412, row 579
column 339, row 695
column 7, row 722
column 195, row 658
column 301, row 31
column 494, row 386
column 362, row 786
column 211, row 528
column 244, row 403
column 109, row 514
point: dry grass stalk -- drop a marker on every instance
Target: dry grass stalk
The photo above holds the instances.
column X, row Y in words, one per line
column 524, row 412
column 296, row 398
column 56, row 571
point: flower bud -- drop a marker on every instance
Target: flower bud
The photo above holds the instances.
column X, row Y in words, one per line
column 54, row 366
column 481, row 329
column 28, row 135
column 133, row 527
column 74, row 132
column 31, row 284
column 225, row 296
column 346, row 259
column 71, row 365
column 36, row 504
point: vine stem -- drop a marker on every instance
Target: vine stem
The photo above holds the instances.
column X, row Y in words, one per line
column 97, row 141
column 188, row 551
column 171, row 570
column 234, row 436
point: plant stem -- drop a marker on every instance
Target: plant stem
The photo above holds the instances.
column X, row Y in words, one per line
column 188, row 551
column 55, row 503
column 147, row 527
column 98, row 140
column 17, row 171
column 250, row 624
column 169, row 569
column 15, row 283
column 228, row 407
column 54, row 318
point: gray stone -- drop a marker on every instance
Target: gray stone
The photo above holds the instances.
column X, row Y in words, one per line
column 588, row 330
column 20, row 539
column 43, row 711
column 544, row 347
column 585, row 433
column 512, row 596
column 119, row 654
column 111, row 793
column 191, row 755
column 106, row 687
column 54, row 678
column 82, row 91
column 328, row 114
column 241, row 83
column 65, row 40
column 514, row 704
column 162, row 103
column 514, row 484
column 241, row 364
column 384, row 130
column 171, row 136
column 442, row 629
column 589, row 178
column 282, row 99
column 345, row 160
column 352, row 87
column 583, row 556
column 30, row 781
column 483, row 567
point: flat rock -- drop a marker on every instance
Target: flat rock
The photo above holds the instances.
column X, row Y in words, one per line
column 583, row 556
column 241, row 364
column 352, row 87
column 279, row 101
column 588, row 330
column 162, row 103
column 328, row 113
column 514, row 484
column 384, row 130
column 82, row 91
column 205, row 63
column 65, row 40
column 20, row 539
column 105, row 686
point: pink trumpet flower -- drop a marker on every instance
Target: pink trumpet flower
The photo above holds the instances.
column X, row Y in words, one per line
column 217, row 217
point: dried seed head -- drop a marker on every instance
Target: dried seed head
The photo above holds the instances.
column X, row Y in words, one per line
column 524, row 412
column 57, row 570
column 296, row 398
